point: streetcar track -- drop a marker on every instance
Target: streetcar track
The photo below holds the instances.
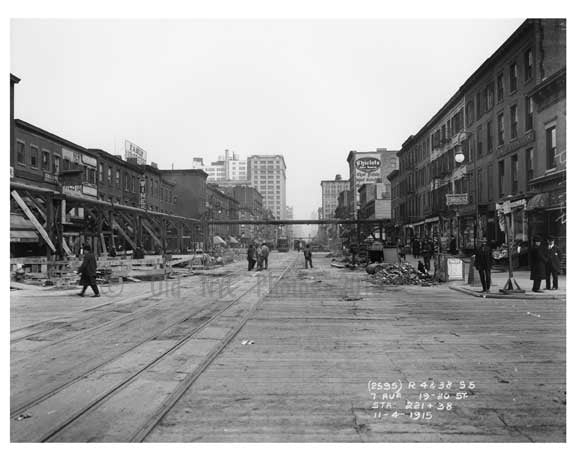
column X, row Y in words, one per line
column 185, row 385
column 110, row 393
column 64, row 323
column 36, row 401
column 125, row 382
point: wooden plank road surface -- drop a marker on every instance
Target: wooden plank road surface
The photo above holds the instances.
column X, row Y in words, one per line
column 119, row 359
column 301, row 368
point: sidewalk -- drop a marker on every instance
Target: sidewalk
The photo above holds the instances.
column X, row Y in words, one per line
column 499, row 279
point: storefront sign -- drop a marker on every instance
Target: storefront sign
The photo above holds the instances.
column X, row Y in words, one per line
column 49, row 177
column 456, row 199
column 89, row 190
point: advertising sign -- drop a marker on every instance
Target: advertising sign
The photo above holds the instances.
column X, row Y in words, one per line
column 133, row 151
column 143, row 193
column 367, row 169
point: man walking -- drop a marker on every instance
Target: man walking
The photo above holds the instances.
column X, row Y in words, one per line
column 87, row 272
column 427, row 250
column 251, row 256
column 416, row 248
column 483, row 263
column 553, row 264
column 308, row 256
column 265, row 253
column 259, row 259
column 538, row 262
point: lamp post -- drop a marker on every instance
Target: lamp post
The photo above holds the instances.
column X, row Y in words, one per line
column 460, row 157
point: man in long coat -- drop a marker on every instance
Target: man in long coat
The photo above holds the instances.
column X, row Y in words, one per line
column 251, row 256
column 553, row 264
column 88, row 272
column 483, row 262
column 538, row 261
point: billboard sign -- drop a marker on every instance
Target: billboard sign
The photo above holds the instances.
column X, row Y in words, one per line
column 133, row 151
column 367, row 169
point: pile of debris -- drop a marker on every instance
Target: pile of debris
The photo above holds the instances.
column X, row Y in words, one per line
column 398, row 274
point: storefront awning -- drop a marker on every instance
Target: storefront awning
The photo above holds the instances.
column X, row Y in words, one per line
column 219, row 240
column 538, row 201
column 233, row 240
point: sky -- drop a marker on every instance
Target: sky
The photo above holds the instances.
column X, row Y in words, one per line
column 311, row 90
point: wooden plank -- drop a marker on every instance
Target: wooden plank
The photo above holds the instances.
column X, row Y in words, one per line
column 115, row 225
column 149, row 230
column 22, row 204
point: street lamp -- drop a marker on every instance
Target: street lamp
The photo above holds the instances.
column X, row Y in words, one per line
column 459, row 158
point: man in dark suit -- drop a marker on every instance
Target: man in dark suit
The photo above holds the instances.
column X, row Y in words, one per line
column 483, row 263
column 553, row 264
column 88, row 272
column 538, row 260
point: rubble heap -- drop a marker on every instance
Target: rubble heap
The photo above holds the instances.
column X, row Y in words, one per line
column 398, row 274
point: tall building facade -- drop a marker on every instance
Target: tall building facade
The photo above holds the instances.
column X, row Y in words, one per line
column 497, row 142
column 267, row 173
column 330, row 191
column 228, row 167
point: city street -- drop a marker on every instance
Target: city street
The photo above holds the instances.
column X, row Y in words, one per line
column 286, row 355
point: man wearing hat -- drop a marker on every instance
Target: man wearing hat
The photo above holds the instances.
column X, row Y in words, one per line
column 553, row 264
column 88, row 272
column 538, row 260
column 483, row 263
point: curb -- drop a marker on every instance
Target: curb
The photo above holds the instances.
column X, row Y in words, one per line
column 471, row 292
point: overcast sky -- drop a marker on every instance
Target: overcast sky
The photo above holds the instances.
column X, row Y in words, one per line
column 309, row 90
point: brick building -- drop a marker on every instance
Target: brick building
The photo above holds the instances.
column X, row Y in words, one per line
column 492, row 120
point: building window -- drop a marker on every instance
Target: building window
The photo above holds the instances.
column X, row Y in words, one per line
column 529, row 164
column 479, row 111
column 21, row 152
column 66, row 164
column 45, row 160
column 500, row 129
column 489, row 138
column 490, row 182
column 551, row 147
column 110, row 175
column 118, row 179
column 56, row 164
column 514, row 173
column 479, row 141
column 501, row 178
column 513, row 121
column 500, row 87
column 100, row 172
column 126, row 183
column 33, row 156
column 490, row 96
column 528, row 64
column 513, row 78
column 529, row 113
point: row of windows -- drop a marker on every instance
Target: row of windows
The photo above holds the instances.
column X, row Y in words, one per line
column 484, row 100
column 436, row 198
column 49, row 162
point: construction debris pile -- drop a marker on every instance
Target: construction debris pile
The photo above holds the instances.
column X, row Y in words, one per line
column 398, row 274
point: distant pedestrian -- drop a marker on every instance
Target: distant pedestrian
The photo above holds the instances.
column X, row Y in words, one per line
column 427, row 251
column 483, row 263
column 453, row 246
column 538, row 261
column 401, row 251
column 553, row 265
column 416, row 248
column 259, row 258
column 87, row 272
column 265, row 253
column 308, row 256
column 251, row 256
